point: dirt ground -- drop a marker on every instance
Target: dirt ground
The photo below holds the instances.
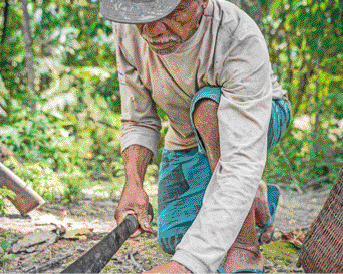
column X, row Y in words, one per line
column 92, row 218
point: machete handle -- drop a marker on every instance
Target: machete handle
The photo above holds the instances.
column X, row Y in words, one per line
column 133, row 223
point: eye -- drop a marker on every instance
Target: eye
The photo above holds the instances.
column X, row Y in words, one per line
column 177, row 13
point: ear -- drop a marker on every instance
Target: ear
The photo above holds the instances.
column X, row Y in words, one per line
column 204, row 4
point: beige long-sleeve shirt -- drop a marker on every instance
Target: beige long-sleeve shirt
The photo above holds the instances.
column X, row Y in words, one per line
column 229, row 51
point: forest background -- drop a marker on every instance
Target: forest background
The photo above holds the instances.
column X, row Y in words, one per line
column 60, row 103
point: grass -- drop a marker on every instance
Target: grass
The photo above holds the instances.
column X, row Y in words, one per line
column 5, row 240
column 281, row 253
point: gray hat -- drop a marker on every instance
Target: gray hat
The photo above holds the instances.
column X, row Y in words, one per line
column 136, row 11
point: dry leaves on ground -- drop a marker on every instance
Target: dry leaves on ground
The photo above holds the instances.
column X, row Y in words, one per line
column 294, row 236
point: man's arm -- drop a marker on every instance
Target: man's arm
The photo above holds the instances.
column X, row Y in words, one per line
column 243, row 114
column 140, row 135
column 133, row 198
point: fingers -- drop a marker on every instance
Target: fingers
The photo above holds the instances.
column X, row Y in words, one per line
column 120, row 215
column 140, row 230
column 144, row 221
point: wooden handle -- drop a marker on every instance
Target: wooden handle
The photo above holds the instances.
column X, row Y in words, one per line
column 26, row 198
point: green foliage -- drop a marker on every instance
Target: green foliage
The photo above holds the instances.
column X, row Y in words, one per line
column 5, row 193
column 73, row 134
column 305, row 41
column 5, row 241
column 73, row 189
column 42, row 178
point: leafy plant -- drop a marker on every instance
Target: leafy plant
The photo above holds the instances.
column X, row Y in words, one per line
column 5, row 240
column 73, row 189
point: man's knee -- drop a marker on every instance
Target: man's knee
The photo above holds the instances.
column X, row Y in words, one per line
column 168, row 244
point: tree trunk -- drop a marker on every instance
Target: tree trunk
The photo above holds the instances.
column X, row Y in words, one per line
column 316, row 112
column 304, row 81
column 4, row 29
column 28, row 52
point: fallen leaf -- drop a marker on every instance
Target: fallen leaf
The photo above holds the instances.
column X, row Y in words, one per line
column 82, row 238
column 77, row 234
column 294, row 236
column 48, row 219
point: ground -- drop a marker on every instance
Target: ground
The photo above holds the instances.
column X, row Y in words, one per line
column 93, row 216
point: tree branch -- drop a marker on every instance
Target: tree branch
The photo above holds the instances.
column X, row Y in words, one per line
column 295, row 182
column 304, row 80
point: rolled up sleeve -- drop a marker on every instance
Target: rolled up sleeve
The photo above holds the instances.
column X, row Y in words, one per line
column 141, row 124
column 244, row 114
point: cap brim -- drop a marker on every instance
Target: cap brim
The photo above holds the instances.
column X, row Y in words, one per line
column 129, row 12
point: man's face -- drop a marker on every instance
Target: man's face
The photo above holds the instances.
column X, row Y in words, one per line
column 165, row 35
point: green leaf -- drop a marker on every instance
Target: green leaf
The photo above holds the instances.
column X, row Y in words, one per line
column 8, row 131
column 275, row 7
column 3, row 90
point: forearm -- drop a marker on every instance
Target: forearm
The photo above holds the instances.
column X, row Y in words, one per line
column 136, row 160
column 134, row 199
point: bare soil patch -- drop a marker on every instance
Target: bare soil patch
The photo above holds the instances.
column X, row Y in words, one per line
column 94, row 218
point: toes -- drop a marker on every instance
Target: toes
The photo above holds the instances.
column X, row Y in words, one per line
column 268, row 234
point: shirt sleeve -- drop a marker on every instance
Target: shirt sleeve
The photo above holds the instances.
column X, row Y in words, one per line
column 244, row 113
column 141, row 124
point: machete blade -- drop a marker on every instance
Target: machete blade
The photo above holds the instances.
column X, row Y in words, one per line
column 96, row 258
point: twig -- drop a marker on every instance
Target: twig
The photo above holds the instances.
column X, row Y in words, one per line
column 317, row 181
column 295, row 181
column 131, row 257
column 318, row 193
column 102, row 122
column 48, row 265
column 50, row 253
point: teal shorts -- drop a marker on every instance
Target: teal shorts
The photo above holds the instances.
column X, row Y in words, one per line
column 185, row 174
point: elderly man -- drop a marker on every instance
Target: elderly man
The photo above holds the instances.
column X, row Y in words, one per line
column 205, row 63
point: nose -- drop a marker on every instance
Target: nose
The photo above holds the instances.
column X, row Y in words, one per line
column 154, row 29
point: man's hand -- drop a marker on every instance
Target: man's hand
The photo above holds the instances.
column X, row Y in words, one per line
column 172, row 267
column 134, row 200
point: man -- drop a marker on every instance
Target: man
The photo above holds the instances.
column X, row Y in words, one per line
column 206, row 65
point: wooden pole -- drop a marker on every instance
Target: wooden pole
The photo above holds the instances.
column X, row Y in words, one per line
column 26, row 198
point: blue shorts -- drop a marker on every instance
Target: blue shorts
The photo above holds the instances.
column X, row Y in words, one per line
column 185, row 174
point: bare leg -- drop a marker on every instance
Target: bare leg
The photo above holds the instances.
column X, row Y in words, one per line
column 245, row 252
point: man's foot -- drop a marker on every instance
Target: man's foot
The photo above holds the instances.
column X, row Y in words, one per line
column 243, row 256
column 262, row 213
column 266, row 202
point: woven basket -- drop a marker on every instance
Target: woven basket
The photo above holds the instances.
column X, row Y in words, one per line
column 322, row 250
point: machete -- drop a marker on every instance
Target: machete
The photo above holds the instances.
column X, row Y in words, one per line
column 96, row 258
